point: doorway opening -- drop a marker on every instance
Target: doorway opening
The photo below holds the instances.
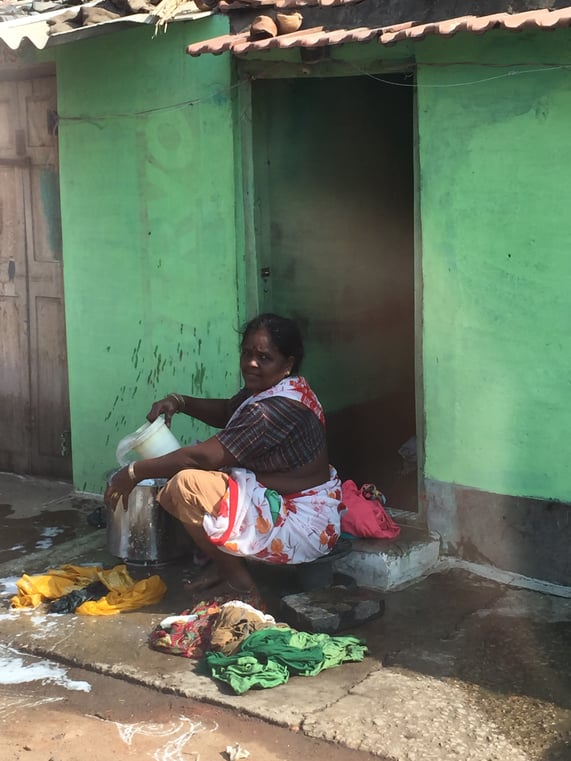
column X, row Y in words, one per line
column 334, row 177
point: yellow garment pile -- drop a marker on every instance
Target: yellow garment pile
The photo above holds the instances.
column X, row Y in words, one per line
column 124, row 592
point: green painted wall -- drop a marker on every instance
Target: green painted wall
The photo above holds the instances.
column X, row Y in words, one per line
column 150, row 244
column 148, row 197
column 496, row 228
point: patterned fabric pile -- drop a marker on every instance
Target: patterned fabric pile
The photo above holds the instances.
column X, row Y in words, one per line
column 244, row 647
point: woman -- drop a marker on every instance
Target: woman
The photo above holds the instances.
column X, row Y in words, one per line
column 262, row 487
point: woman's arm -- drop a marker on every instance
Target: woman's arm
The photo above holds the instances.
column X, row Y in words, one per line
column 214, row 412
column 208, row 455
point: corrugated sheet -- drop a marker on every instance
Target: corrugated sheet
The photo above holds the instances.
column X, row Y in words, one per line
column 35, row 29
column 318, row 37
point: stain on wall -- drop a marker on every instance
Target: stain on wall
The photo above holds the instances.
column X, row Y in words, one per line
column 518, row 534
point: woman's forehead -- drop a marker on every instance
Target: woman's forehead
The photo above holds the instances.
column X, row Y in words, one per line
column 259, row 339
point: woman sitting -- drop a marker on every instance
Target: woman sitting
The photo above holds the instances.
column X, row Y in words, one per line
column 262, row 487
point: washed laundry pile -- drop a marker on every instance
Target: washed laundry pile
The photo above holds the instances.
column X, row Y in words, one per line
column 98, row 591
column 268, row 657
column 220, row 620
column 246, row 648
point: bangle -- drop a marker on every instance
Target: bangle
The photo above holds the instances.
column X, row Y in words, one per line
column 131, row 471
column 179, row 401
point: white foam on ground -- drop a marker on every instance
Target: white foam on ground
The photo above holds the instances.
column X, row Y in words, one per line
column 15, row 668
column 48, row 535
column 8, row 586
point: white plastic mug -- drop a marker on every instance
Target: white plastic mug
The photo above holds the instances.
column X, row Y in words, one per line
column 150, row 440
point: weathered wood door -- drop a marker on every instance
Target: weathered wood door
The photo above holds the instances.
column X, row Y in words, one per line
column 34, row 400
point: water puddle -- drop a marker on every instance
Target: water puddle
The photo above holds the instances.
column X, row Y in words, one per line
column 21, row 536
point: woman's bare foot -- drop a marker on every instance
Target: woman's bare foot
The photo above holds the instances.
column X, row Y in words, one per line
column 212, row 581
column 227, row 590
column 210, row 577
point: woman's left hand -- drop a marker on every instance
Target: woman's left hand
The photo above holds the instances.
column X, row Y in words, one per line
column 119, row 488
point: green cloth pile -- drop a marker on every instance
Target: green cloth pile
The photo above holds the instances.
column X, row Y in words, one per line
column 268, row 657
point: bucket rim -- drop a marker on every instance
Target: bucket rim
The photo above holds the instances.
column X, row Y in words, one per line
column 147, row 430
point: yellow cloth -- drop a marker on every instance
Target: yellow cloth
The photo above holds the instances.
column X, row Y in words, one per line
column 124, row 592
column 144, row 592
column 33, row 590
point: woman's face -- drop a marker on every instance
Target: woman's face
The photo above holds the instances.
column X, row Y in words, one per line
column 261, row 363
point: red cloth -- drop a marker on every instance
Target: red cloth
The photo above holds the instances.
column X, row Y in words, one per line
column 365, row 515
column 190, row 639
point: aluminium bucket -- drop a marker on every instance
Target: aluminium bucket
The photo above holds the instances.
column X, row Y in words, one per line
column 144, row 534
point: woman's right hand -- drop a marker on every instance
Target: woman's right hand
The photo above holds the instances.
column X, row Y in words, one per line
column 167, row 407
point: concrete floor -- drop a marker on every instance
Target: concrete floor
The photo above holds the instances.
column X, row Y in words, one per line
column 458, row 667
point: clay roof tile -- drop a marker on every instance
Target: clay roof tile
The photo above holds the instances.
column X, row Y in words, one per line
column 318, row 37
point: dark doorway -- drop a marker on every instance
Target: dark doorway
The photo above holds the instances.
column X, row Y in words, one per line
column 335, row 240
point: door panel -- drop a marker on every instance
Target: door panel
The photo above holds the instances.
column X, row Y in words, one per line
column 50, row 365
column 46, row 219
column 8, row 119
column 35, row 405
column 14, row 367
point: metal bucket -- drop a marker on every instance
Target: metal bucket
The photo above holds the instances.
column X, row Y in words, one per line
column 144, row 534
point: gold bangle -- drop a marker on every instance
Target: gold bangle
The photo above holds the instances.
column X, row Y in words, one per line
column 180, row 405
column 131, row 471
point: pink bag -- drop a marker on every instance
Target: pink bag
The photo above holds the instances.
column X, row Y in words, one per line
column 365, row 515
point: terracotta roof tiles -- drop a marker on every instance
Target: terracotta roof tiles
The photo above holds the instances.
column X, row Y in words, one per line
column 230, row 5
column 540, row 19
column 304, row 38
column 319, row 37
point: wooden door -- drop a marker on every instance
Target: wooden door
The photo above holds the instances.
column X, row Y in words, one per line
column 34, row 403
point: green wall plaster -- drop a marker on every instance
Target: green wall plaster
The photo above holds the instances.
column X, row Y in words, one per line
column 494, row 161
column 150, row 244
column 148, row 197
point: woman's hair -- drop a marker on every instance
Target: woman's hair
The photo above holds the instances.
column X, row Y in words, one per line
column 284, row 333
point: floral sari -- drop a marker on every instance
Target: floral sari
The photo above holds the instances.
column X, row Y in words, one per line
column 254, row 521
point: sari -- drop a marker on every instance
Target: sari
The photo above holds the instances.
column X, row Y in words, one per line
column 253, row 521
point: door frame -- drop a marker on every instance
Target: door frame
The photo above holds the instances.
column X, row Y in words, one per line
column 249, row 254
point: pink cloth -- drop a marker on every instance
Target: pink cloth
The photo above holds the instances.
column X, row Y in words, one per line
column 365, row 517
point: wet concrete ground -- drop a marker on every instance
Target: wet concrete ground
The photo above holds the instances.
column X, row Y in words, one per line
column 459, row 667
column 37, row 515
column 50, row 712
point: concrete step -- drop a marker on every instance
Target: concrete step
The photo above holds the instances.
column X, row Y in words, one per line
column 391, row 564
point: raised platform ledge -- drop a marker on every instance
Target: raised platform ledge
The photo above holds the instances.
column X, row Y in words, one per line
column 391, row 564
